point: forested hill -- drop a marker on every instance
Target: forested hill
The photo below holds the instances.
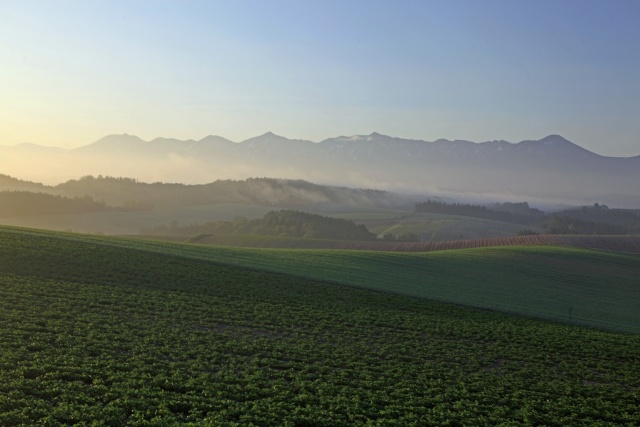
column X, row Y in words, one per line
column 9, row 183
column 22, row 203
column 135, row 195
column 283, row 223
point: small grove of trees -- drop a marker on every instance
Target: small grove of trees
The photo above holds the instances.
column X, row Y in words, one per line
column 283, row 223
column 22, row 203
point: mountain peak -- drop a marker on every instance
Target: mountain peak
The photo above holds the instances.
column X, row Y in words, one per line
column 555, row 140
column 268, row 136
column 112, row 142
column 370, row 137
column 554, row 145
column 122, row 137
column 215, row 139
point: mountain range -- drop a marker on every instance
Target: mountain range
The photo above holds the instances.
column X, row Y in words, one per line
column 549, row 168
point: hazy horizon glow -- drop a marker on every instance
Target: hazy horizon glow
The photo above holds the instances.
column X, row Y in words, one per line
column 74, row 71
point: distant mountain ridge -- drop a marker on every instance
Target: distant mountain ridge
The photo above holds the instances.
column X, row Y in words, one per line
column 269, row 139
column 551, row 167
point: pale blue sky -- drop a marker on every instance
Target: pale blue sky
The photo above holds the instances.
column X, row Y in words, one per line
column 74, row 71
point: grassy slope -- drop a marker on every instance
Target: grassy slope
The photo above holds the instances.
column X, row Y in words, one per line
column 586, row 287
column 102, row 331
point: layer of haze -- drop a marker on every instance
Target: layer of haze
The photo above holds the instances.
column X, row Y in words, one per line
column 74, row 71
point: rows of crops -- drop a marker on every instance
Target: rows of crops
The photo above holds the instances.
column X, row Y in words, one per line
column 100, row 331
column 614, row 243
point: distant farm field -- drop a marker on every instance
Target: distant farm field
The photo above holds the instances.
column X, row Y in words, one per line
column 630, row 244
column 106, row 331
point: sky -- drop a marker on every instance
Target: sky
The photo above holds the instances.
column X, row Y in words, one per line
column 72, row 72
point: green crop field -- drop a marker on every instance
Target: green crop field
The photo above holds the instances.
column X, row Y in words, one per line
column 106, row 331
